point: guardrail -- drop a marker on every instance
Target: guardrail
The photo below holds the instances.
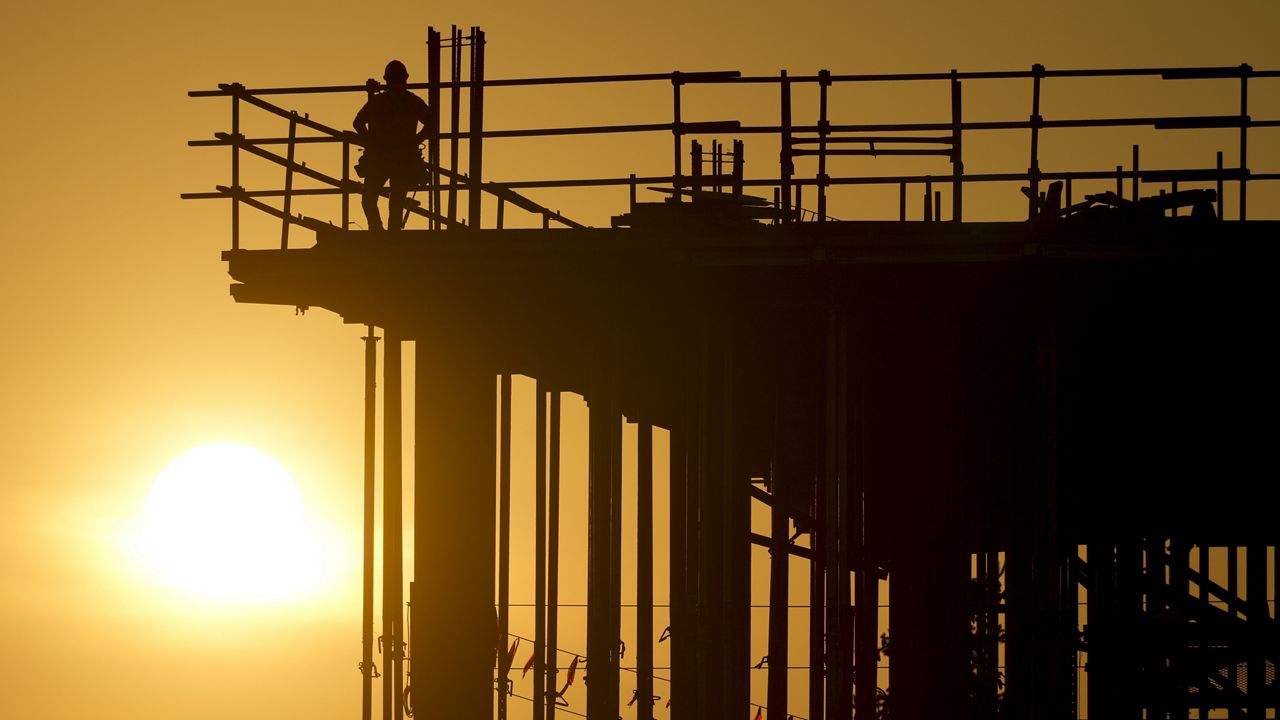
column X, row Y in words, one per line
column 821, row 141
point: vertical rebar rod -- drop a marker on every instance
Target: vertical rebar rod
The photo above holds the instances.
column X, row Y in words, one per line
column 676, row 134
column 288, row 181
column 695, row 166
column 1120, row 181
column 392, row 538
column 1134, row 188
column 455, row 117
column 235, row 166
column 738, row 160
column 433, row 123
column 928, row 199
column 1258, row 618
column 902, row 202
column 553, row 555
column 1070, row 201
column 1245, row 70
column 784, row 153
column 370, row 453
column 644, row 571
column 824, row 84
column 504, row 539
column 957, row 150
column 1033, row 170
column 475, row 140
column 1173, row 188
column 539, row 550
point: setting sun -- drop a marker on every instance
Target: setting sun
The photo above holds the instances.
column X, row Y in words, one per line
column 224, row 522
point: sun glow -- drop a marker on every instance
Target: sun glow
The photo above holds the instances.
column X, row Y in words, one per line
column 224, row 522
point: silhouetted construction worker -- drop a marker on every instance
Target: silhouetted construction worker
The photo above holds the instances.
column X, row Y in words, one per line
column 388, row 124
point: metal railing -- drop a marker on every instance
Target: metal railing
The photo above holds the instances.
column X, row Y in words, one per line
column 821, row 141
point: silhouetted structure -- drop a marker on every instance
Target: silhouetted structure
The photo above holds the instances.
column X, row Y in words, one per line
column 1043, row 434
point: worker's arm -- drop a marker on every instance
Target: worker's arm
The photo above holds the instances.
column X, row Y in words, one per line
column 361, row 123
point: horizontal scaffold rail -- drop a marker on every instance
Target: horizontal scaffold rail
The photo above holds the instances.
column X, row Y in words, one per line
column 700, row 174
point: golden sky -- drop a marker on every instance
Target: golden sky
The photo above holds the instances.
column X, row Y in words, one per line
column 123, row 349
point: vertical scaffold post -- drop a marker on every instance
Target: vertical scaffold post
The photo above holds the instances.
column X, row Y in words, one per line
column 392, row 540
column 553, row 556
column 677, row 135
column 644, row 570
column 738, row 161
column 476, row 127
column 370, row 451
column 603, row 571
column 455, row 117
column 346, row 184
column 288, row 181
column 957, row 150
column 784, row 154
column 1257, row 617
column 1245, row 72
column 236, row 89
column 1033, row 170
column 1134, row 187
column 779, row 600
column 433, row 124
column 835, row 546
column 695, row 166
column 539, row 549
column 504, row 540
column 681, row 633
column 817, row 594
column 824, row 84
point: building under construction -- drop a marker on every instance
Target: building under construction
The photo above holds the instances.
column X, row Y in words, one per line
column 1025, row 465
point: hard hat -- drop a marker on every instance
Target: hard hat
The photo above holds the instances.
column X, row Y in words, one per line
column 396, row 71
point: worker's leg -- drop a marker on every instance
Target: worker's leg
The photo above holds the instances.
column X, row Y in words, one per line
column 395, row 211
column 373, row 182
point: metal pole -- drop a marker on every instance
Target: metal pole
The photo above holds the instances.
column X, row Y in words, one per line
column 957, row 154
column 1033, row 171
column 392, row 573
column 824, row 83
column 1245, row 70
column 539, row 551
column 553, row 556
column 455, row 119
column 346, row 181
column 504, row 539
column 784, row 154
column 677, row 136
column 433, row 122
column 476, row 126
column 779, row 599
column 235, row 167
column 681, row 632
column 367, row 669
column 644, row 571
column 288, row 182
column 1133, row 184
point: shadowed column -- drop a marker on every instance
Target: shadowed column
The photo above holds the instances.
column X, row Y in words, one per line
column 453, row 618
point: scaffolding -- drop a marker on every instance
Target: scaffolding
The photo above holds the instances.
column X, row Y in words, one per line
column 934, row 414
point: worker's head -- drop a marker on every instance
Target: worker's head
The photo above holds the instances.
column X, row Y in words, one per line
column 396, row 73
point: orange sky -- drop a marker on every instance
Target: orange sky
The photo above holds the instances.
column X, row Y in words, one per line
column 123, row 349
